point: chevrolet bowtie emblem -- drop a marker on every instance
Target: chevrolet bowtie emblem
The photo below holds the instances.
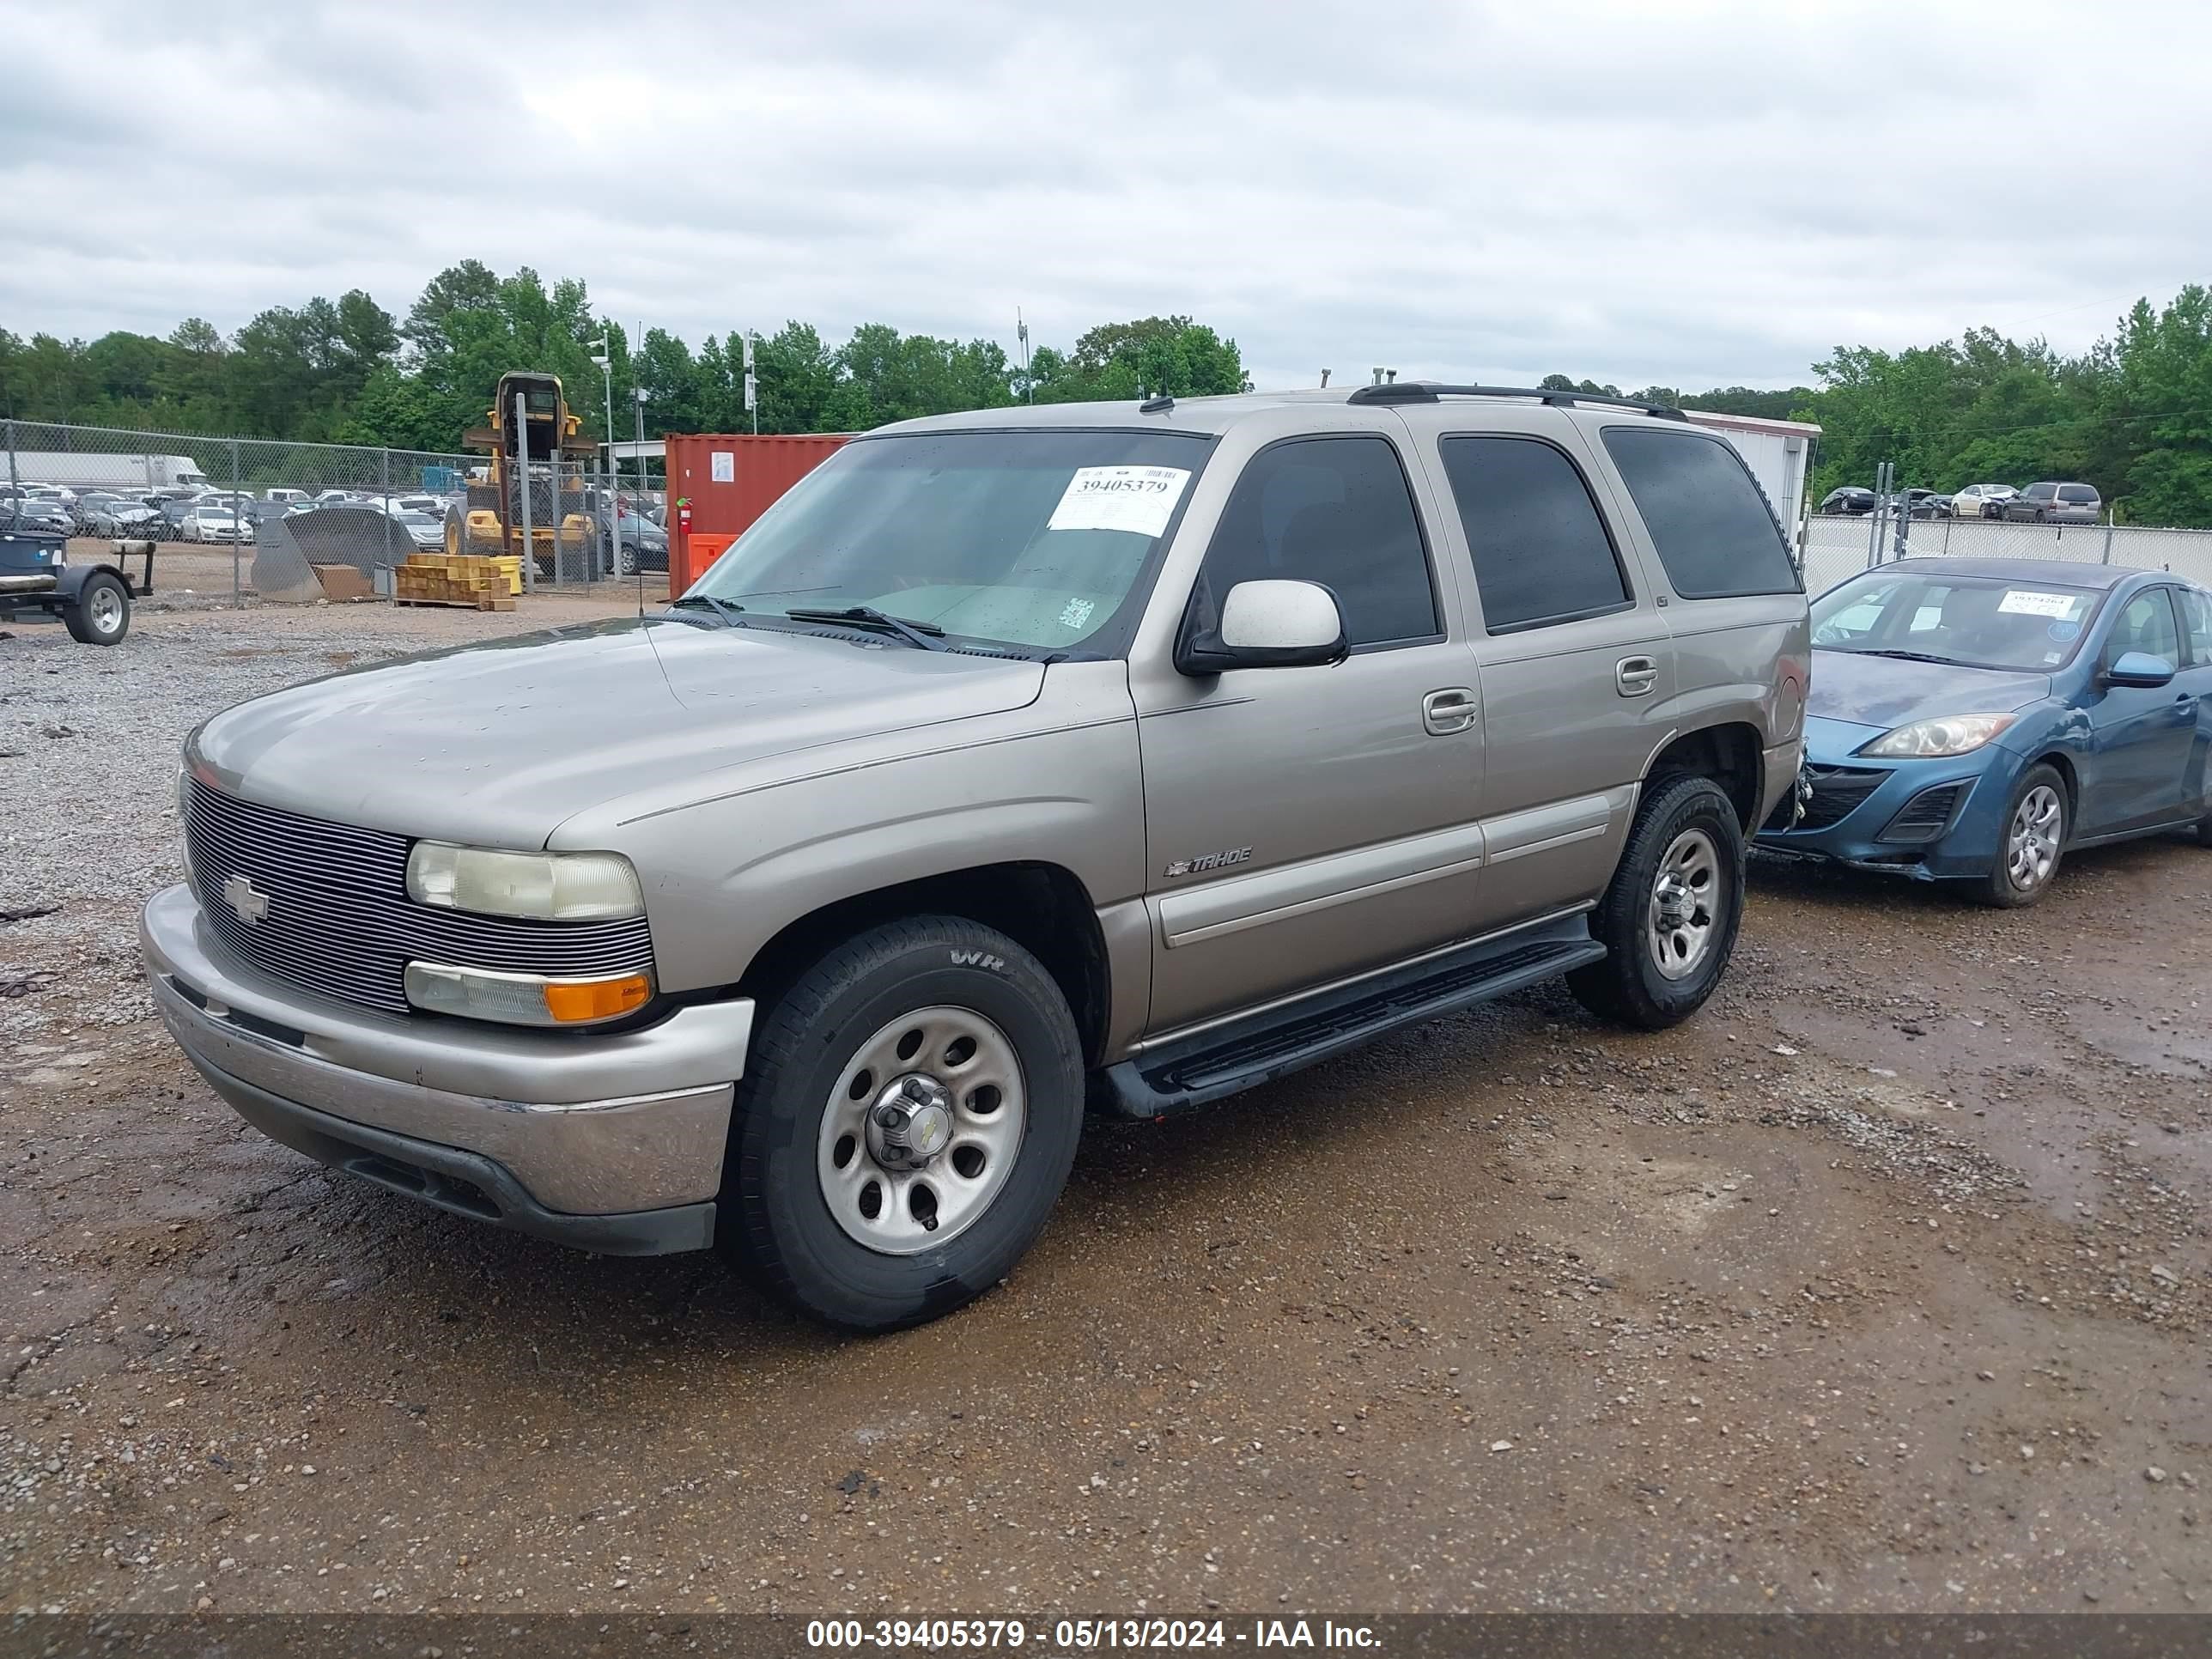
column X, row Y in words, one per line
column 245, row 900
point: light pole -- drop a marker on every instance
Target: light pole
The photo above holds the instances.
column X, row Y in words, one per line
column 604, row 359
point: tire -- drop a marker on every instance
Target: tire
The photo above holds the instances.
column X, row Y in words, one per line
column 1686, row 831
column 101, row 615
column 817, row 1077
column 627, row 563
column 2020, row 877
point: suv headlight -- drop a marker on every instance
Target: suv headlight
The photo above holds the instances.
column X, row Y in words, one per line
column 1950, row 734
column 545, row 886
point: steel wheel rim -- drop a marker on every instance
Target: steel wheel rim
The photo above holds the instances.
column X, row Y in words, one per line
column 973, row 1063
column 2031, row 843
column 105, row 610
column 1686, row 903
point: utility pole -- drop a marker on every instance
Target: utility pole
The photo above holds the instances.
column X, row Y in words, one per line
column 752, row 389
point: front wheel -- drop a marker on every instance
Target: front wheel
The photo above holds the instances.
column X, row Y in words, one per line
column 908, row 1117
column 1668, row 921
column 101, row 615
column 2034, row 840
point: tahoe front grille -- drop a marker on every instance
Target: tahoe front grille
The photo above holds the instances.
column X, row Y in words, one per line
column 338, row 921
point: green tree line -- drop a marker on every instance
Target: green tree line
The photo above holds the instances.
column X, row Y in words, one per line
column 349, row 371
column 2131, row 415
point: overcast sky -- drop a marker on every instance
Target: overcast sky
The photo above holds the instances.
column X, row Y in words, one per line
column 1692, row 193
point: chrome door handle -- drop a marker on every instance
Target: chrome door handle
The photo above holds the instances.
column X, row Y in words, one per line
column 1634, row 676
column 1452, row 709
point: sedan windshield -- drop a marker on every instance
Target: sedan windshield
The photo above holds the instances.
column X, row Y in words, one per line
column 1979, row 621
column 1034, row 540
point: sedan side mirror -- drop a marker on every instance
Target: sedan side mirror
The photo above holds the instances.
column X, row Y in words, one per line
column 1264, row 624
column 2139, row 668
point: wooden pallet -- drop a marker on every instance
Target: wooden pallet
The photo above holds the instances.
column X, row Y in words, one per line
column 482, row 602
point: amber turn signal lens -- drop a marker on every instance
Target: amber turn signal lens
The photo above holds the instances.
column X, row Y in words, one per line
column 597, row 999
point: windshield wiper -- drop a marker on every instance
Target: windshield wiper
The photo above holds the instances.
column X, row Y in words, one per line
column 723, row 610
column 927, row 635
column 1908, row 656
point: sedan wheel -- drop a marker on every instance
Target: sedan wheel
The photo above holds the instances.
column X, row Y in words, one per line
column 2033, row 844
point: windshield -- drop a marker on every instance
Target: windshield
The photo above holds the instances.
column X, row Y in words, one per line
column 1979, row 622
column 408, row 516
column 1035, row 540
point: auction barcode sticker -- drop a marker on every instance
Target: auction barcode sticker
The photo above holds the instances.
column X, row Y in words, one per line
column 1138, row 499
column 2022, row 602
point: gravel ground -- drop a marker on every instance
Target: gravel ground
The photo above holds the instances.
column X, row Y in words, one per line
column 1880, row 1285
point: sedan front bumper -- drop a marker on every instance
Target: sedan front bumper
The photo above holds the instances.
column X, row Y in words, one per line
column 1926, row 819
column 611, row 1143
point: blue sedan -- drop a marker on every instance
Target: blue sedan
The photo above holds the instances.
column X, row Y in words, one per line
column 1978, row 719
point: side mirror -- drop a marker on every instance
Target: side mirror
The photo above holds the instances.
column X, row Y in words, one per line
column 2139, row 668
column 1263, row 624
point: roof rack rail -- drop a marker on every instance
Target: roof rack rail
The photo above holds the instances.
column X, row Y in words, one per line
column 1430, row 392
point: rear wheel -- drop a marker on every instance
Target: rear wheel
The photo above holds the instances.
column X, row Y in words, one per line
column 2034, row 841
column 1668, row 921
column 101, row 615
column 908, row 1117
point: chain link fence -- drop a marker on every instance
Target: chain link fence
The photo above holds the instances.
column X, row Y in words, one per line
column 273, row 520
column 1839, row 546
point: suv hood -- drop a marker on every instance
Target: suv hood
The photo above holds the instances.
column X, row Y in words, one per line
column 498, row 743
column 1888, row 691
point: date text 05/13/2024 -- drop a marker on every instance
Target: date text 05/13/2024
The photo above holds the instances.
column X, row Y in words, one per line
column 1086, row 1634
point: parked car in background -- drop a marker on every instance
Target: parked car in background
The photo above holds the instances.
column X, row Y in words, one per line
column 423, row 530
column 120, row 518
column 2054, row 503
column 206, row 521
column 1981, row 501
column 281, row 494
column 88, row 502
column 1976, row 719
column 1938, row 506
column 44, row 513
column 1849, row 500
column 1023, row 763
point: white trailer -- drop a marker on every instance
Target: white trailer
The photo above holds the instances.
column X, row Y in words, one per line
column 1780, row 454
column 82, row 469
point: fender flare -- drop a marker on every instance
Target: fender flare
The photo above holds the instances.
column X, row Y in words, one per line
column 69, row 586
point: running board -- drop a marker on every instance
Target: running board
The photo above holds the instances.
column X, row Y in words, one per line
column 1209, row 1065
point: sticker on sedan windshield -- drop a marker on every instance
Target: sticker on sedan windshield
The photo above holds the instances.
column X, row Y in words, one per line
column 2022, row 602
column 1139, row 500
column 2064, row 633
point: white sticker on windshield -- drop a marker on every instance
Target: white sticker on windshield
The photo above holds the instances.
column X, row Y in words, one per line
column 2020, row 601
column 1138, row 499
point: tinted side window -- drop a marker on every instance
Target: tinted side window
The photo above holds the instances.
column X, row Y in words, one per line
column 2078, row 493
column 2040, row 492
column 1541, row 553
column 2197, row 621
column 1713, row 531
column 1335, row 511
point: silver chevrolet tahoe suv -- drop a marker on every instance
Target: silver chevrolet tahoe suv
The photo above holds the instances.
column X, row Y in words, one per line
column 1016, row 764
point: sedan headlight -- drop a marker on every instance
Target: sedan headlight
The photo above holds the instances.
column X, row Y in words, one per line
column 548, row 886
column 1951, row 734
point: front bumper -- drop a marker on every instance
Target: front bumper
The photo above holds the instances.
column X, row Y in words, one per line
column 1928, row 820
column 611, row 1143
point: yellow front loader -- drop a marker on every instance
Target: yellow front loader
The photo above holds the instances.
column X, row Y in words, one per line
column 529, row 437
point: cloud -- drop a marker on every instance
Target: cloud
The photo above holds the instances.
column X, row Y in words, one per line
column 1708, row 192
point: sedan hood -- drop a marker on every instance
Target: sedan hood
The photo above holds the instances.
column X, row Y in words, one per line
column 1888, row 691
column 498, row 743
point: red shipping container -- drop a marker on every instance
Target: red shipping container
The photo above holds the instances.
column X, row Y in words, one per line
column 730, row 480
